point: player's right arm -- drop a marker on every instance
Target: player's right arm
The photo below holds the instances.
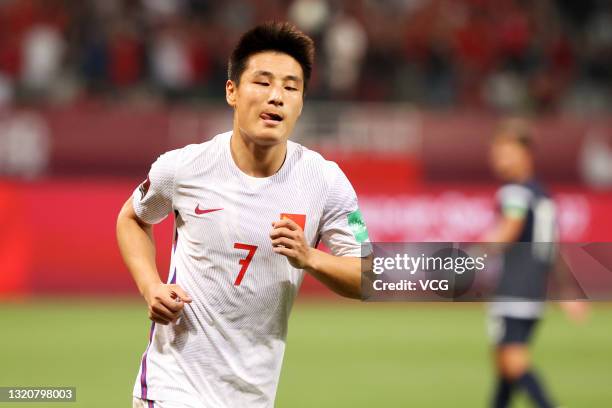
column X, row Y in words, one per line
column 137, row 246
column 508, row 229
column 514, row 204
column 150, row 204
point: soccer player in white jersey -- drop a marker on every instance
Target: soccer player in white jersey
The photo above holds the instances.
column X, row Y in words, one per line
column 250, row 207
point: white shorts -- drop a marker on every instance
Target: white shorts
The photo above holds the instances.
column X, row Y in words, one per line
column 140, row 403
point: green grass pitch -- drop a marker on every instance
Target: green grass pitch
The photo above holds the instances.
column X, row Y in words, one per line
column 338, row 354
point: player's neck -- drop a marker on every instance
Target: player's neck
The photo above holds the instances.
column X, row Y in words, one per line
column 255, row 160
column 523, row 176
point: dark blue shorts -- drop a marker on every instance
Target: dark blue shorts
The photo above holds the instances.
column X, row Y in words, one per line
column 511, row 330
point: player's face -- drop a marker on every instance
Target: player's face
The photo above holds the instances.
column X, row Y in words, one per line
column 269, row 98
column 508, row 159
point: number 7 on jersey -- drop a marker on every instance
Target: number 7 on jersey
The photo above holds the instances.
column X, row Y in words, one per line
column 245, row 262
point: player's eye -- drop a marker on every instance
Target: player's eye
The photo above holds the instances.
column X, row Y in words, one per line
column 291, row 88
column 262, row 83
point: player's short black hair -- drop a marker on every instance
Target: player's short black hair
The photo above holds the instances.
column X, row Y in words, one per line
column 272, row 36
column 515, row 130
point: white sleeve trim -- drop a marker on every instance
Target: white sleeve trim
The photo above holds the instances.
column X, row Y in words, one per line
column 514, row 199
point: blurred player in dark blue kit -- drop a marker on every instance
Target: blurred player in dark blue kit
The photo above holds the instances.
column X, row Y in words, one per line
column 527, row 226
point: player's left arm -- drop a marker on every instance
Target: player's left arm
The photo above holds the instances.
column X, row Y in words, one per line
column 341, row 229
column 342, row 274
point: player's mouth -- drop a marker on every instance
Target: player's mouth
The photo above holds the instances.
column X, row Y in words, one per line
column 271, row 118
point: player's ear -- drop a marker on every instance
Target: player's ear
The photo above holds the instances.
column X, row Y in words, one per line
column 230, row 93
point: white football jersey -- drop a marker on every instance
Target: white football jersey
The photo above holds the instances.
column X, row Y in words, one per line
column 227, row 348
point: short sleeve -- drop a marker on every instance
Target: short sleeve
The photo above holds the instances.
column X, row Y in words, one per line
column 153, row 198
column 343, row 229
column 514, row 200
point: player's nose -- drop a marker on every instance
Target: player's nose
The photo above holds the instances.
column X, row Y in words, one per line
column 276, row 96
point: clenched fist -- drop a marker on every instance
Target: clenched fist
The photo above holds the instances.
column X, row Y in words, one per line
column 165, row 302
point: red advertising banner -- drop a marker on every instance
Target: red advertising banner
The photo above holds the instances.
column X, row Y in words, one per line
column 59, row 236
column 101, row 139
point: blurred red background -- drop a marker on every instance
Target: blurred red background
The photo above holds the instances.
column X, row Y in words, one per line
column 405, row 96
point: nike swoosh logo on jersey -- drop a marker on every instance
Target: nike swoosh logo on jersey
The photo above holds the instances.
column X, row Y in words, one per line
column 199, row 211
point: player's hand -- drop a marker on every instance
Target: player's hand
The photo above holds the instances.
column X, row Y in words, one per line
column 288, row 240
column 165, row 302
column 575, row 310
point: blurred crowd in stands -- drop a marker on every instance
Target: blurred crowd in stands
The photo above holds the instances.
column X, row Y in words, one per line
column 544, row 55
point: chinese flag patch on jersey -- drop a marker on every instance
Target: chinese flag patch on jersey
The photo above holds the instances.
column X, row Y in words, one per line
column 299, row 219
